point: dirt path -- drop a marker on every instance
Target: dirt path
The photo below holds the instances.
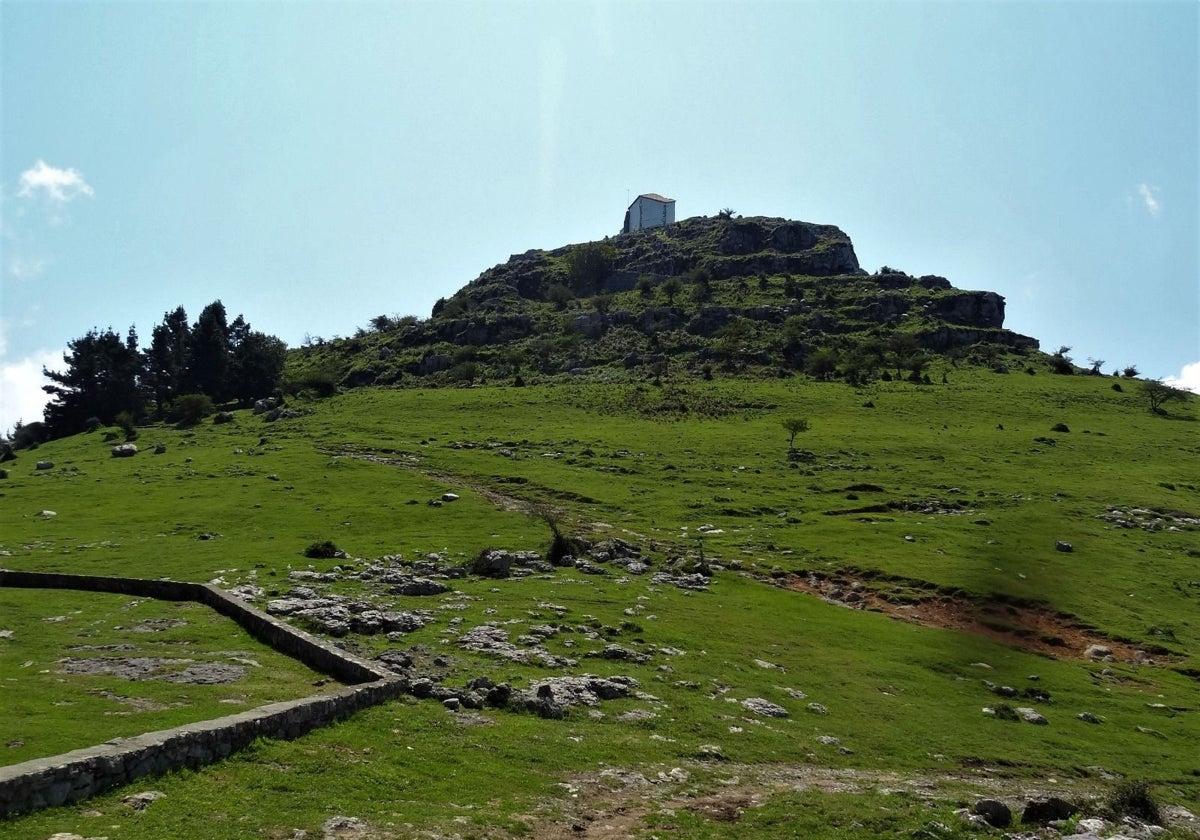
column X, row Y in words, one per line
column 411, row 462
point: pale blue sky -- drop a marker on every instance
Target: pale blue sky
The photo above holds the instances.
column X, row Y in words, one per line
column 314, row 165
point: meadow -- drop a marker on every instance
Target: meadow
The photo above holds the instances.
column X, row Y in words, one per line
column 952, row 493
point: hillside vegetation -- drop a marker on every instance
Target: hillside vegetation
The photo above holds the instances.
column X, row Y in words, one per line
column 812, row 601
column 754, row 296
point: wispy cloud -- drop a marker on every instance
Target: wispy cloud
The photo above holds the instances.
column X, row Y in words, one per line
column 1188, row 379
column 27, row 268
column 58, row 185
column 552, row 79
column 1150, row 199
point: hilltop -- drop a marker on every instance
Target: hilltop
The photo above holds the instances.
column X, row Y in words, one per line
column 740, row 295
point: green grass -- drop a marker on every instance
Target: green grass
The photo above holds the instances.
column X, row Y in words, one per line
column 653, row 467
column 49, row 708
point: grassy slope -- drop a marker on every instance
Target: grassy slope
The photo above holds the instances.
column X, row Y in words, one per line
column 899, row 696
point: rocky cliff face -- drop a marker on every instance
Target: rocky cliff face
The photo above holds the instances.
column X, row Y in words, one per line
column 725, row 248
column 741, row 292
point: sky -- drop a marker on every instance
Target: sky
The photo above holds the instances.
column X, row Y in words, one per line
column 313, row 165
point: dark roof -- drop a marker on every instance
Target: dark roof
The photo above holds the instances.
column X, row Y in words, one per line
column 654, row 197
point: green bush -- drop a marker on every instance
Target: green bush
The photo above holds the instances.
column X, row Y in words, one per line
column 190, row 409
column 322, row 550
column 124, row 421
column 321, row 381
column 29, row 435
column 1132, row 798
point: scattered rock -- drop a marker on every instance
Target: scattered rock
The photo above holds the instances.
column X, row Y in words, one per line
column 619, row 652
column 817, row 709
column 551, row 697
column 344, row 828
column 1046, row 811
column 140, row 801
column 695, row 581
column 44, row 465
column 1062, row 545
column 1099, row 652
column 493, row 641
column 449, row 497
column 1032, row 716
column 46, row 514
column 997, row 814
column 420, row 586
column 1088, row 717
column 125, row 450
column 764, row 707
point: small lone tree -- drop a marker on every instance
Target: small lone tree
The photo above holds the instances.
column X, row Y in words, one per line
column 1158, row 393
column 562, row 544
column 794, row 426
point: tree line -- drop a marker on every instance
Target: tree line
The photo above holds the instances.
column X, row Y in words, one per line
column 108, row 376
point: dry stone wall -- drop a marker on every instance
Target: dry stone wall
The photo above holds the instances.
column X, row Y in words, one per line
column 76, row 775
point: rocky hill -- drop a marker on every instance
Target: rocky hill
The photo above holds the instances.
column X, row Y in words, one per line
column 720, row 293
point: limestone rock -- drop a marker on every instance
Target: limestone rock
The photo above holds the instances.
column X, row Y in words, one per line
column 764, row 707
column 1032, row 716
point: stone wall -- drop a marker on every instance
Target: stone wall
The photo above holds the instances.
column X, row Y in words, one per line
column 76, row 775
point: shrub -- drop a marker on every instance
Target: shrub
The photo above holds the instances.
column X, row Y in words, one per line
column 323, row 550
column 190, row 409
column 1059, row 427
column 92, row 424
column 589, row 266
column 29, row 435
column 645, row 286
column 1132, row 798
column 559, row 295
column 1061, row 364
column 1003, row 711
column 124, row 421
column 322, row 381
column 561, row 545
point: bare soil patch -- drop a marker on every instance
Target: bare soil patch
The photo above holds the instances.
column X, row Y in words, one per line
column 1030, row 628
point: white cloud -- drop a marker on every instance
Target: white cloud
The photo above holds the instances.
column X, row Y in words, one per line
column 26, row 268
column 1188, row 379
column 59, row 185
column 21, row 381
column 1150, row 200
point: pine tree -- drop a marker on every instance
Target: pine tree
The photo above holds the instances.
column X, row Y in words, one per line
column 102, row 380
column 211, row 353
